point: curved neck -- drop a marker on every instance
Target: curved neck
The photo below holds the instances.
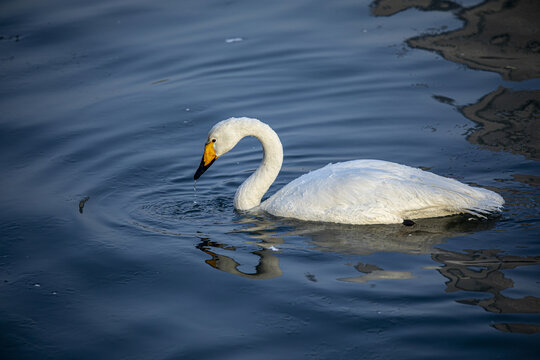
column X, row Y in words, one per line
column 250, row 193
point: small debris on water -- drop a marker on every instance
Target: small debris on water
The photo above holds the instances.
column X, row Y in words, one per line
column 273, row 248
column 82, row 202
column 233, row 40
column 159, row 81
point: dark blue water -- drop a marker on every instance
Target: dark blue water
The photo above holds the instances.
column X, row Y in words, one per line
column 107, row 252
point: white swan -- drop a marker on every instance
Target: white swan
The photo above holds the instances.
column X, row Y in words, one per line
column 352, row 192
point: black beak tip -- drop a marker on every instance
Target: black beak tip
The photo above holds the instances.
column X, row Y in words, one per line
column 202, row 168
column 199, row 172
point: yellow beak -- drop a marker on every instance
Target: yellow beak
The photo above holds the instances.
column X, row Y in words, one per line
column 208, row 159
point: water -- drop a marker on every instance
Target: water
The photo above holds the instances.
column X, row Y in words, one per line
column 107, row 251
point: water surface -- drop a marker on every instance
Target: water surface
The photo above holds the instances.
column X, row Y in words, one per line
column 107, row 251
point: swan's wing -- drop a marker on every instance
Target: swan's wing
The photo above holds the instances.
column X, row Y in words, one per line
column 373, row 191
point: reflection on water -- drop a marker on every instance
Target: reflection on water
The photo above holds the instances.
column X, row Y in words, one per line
column 391, row 7
column 518, row 328
column 365, row 240
column 481, row 271
column 498, row 35
column 509, row 122
column 344, row 239
column 267, row 267
column 471, row 271
column 528, row 179
column 373, row 272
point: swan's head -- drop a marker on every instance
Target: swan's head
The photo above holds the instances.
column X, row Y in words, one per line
column 221, row 139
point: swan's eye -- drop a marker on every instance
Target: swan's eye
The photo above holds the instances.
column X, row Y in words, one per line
column 213, row 140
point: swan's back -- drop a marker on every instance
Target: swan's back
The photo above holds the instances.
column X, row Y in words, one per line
column 377, row 192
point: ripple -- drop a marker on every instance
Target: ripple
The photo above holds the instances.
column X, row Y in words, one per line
column 180, row 213
column 187, row 209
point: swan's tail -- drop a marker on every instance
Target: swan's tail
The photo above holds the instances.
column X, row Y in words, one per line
column 490, row 203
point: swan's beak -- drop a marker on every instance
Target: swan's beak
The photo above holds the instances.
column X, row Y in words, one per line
column 208, row 159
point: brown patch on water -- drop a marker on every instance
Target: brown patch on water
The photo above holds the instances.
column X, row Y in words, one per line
column 509, row 120
column 501, row 36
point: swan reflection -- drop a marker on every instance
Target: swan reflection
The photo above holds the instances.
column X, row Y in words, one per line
column 373, row 272
column 268, row 235
column 365, row 240
column 470, row 271
column 267, row 268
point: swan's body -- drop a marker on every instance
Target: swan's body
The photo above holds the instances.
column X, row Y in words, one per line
column 352, row 192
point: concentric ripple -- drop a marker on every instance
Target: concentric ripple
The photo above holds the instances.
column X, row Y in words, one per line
column 171, row 210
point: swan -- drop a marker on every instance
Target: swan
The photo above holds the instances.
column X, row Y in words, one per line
column 351, row 192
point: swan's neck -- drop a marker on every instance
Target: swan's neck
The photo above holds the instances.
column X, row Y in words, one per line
column 250, row 193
